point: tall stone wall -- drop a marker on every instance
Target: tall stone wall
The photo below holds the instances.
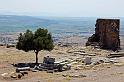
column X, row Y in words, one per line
column 106, row 34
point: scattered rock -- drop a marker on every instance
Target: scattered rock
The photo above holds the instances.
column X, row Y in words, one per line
column 119, row 64
column 20, row 76
column 84, row 54
column 34, row 70
column 4, row 74
column 50, row 71
column 67, row 67
column 87, row 60
column 22, row 69
column 13, row 75
column 91, row 54
column 101, row 61
column 96, row 63
column 74, row 75
column 118, row 54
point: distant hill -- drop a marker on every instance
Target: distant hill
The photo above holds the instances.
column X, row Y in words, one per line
column 19, row 23
column 13, row 23
column 56, row 25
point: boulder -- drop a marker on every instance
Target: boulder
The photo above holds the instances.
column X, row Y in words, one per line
column 87, row 60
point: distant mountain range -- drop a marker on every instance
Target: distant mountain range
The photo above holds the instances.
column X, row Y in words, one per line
column 12, row 20
column 56, row 25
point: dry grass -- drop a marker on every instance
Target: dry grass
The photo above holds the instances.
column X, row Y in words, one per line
column 12, row 55
column 9, row 56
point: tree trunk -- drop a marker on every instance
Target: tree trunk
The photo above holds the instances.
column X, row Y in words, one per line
column 36, row 57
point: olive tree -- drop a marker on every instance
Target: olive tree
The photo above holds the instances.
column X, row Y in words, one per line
column 37, row 41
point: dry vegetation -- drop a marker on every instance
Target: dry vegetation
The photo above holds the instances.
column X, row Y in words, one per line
column 98, row 73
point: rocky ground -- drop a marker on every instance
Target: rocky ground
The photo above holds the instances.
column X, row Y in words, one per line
column 111, row 70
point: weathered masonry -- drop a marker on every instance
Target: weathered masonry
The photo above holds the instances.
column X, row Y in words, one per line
column 106, row 34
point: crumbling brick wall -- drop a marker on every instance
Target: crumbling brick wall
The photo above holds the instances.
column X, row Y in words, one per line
column 106, row 34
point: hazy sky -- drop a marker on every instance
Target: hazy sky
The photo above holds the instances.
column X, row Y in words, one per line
column 73, row 8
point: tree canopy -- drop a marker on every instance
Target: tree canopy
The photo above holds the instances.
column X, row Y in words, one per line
column 37, row 41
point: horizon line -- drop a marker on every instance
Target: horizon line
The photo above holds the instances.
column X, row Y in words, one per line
column 64, row 16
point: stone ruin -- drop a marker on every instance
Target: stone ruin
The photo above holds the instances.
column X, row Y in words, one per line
column 106, row 34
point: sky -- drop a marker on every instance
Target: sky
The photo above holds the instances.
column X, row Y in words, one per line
column 63, row 8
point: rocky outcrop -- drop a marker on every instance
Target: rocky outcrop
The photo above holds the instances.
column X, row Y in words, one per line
column 106, row 34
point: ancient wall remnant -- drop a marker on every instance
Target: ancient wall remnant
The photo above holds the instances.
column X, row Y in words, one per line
column 106, row 34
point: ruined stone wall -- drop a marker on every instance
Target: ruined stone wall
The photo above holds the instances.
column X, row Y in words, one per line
column 106, row 34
